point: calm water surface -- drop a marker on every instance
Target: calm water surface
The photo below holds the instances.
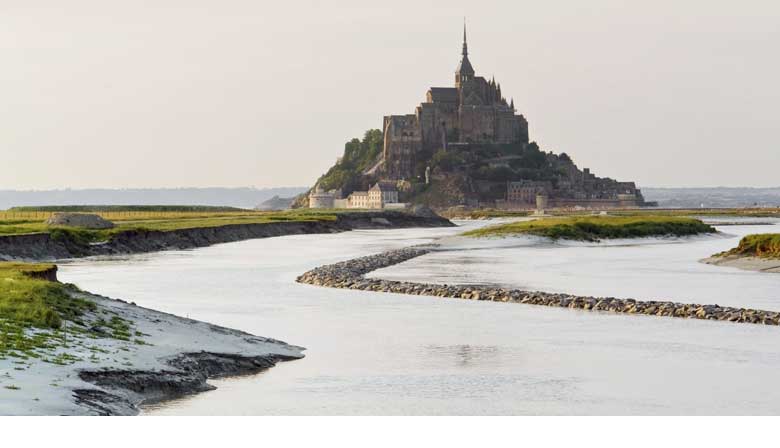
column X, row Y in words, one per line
column 373, row 353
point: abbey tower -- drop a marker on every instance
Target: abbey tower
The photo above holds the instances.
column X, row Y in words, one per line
column 473, row 111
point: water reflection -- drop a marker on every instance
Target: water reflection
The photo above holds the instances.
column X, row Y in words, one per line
column 463, row 355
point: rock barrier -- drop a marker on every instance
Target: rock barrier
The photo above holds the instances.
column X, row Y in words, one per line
column 350, row 274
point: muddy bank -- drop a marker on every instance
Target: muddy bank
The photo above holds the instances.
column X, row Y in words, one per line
column 43, row 246
column 119, row 356
column 350, row 274
column 745, row 262
column 121, row 392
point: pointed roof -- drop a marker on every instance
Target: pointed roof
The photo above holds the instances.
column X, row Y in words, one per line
column 465, row 45
column 465, row 68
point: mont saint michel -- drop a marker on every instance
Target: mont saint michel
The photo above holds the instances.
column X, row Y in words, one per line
column 363, row 208
column 464, row 145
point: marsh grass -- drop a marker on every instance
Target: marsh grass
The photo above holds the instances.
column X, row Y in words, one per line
column 595, row 228
column 763, row 245
column 763, row 212
column 49, row 321
column 124, row 208
column 21, row 222
column 485, row 214
column 653, row 212
column 34, row 301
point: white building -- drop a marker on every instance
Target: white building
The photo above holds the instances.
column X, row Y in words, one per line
column 358, row 199
column 377, row 197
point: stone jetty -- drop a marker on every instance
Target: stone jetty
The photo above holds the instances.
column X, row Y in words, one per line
column 350, row 274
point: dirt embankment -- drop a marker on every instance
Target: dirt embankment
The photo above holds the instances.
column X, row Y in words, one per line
column 121, row 392
column 43, row 246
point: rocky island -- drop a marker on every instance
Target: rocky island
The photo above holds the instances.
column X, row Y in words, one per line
column 464, row 145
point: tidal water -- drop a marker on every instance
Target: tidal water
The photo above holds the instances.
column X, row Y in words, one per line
column 374, row 353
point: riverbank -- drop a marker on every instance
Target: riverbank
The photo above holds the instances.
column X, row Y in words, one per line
column 108, row 357
column 62, row 244
column 747, row 263
column 66, row 351
column 350, row 274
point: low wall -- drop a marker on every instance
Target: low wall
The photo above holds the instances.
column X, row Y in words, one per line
column 351, row 275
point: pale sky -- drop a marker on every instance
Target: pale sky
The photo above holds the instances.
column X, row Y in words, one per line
column 169, row 93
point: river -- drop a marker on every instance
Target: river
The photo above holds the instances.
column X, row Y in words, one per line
column 374, row 353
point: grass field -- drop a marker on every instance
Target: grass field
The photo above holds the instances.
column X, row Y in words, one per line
column 485, row 214
column 125, row 208
column 34, row 221
column 594, row 228
column 746, row 212
column 764, row 245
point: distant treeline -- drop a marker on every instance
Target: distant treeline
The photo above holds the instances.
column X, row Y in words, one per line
column 220, row 197
column 126, row 208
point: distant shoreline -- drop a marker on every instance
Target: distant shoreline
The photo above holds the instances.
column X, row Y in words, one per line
column 45, row 247
column 243, row 197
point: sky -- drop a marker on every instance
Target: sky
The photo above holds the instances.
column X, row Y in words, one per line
column 174, row 93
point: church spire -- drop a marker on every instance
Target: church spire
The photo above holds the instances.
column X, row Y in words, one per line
column 465, row 45
column 464, row 72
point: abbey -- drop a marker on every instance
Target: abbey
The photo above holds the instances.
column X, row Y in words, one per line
column 463, row 146
column 473, row 111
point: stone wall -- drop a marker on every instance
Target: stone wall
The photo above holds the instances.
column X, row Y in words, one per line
column 351, row 275
column 403, row 139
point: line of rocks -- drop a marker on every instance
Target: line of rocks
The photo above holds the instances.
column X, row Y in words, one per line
column 350, row 274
